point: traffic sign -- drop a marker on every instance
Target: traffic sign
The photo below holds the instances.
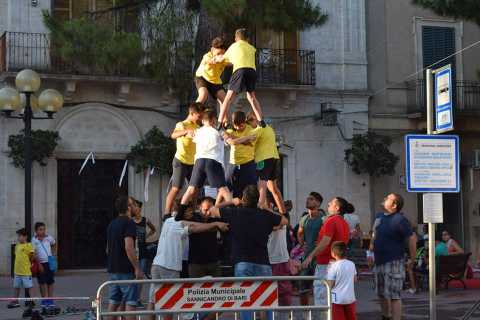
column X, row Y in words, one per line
column 432, row 208
column 432, row 163
column 443, row 99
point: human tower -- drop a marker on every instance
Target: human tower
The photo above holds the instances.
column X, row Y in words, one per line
column 201, row 137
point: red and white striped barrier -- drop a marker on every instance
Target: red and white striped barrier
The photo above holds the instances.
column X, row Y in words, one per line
column 216, row 295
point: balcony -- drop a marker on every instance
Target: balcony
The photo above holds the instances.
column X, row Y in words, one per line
column 466, row 97
column 20, row 50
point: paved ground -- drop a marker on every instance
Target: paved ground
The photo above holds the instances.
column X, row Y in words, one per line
column 452, row 304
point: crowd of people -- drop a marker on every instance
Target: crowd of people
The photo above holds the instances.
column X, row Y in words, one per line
column 247, row 223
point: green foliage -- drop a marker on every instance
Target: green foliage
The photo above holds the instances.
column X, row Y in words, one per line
column 44, row 143
column 464, row 9
column 154, row 150
column 370, row 154
column 94, row 47
column 278, row 15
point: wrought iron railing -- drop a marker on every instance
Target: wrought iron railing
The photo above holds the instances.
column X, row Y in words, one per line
column 285, row 66
column 20, row 50
column 466, row 96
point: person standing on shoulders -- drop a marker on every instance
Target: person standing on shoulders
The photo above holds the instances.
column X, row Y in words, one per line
column 185, row 156
column 391, row 230
column 334, row 229
column 122, row 262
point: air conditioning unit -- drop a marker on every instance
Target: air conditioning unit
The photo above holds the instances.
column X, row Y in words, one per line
column 476, row 159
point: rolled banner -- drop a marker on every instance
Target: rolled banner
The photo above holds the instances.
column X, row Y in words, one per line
column 147, row 181
column 123, row 173
column 89, row 156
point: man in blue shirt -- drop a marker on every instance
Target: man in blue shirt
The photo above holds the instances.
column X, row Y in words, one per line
column 391, row 231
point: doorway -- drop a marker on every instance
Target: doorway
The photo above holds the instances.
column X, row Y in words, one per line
column 85, row 208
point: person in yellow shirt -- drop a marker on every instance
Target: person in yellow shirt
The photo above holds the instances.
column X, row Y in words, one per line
column 207, row 76
column 242, row 169
column 24, row 253
column 267, row 160
column 184, row 157
column 241, row 55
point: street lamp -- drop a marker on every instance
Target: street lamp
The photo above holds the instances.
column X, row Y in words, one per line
column 11, row 100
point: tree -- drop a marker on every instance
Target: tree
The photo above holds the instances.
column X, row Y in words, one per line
column 464, row 9
column 278, row 15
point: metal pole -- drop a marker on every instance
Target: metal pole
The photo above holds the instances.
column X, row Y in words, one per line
column 431, row 226
column 27, row 119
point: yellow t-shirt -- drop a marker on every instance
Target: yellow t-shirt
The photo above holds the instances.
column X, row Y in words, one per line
column 242, row 153
column 210, row 72
column 22, row 266
column 241, row 54
column 185, row 145
column 266, row 144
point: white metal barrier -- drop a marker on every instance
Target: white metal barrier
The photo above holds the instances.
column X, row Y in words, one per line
column 216, row 296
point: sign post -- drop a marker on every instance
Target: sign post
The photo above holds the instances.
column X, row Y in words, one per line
column 433, row 163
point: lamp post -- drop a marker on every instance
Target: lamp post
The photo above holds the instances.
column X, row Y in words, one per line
column 50, row 101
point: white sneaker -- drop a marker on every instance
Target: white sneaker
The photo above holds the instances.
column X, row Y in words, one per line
column 412, row 291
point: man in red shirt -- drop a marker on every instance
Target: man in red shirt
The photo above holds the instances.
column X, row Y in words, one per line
column 334, row 228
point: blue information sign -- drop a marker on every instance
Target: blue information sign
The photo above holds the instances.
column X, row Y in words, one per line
column 432, row 163
column 443, row 99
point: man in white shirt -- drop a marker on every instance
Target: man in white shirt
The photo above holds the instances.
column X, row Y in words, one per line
column 44, row 245
column 167, row 264
column 209, row 157
column 341, row 276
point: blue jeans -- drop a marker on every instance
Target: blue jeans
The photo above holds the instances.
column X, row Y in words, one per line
column 248, row 269
column 127, row 294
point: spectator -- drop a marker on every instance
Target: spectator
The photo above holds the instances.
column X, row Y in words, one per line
column 122, row 259
column 173, row 238
column 24, row 253
column 142, row 224
column 45, row 246
column 353, row 221
column 308, row 229
column 278, row 256
column 341, row 276
column 391, row 231
column 250, row 228
column 452, row 245
column 334, row 229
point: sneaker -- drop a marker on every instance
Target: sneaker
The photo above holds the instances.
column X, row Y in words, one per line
column 412, row 291
column 13, row 305
column 44, row 303
column 140, row 305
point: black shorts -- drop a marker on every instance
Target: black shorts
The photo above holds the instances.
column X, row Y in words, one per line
column 208, row 169
column 243, row 79
column 241, row 176
column 266, row 169
column 212, row 88
column 181, row 171
column 47, row 276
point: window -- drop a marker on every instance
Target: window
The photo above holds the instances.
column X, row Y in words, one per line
column 438, row 44
column 65, row 10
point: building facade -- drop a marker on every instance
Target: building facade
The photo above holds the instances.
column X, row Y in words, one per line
column 403, row 39
column 313, row 89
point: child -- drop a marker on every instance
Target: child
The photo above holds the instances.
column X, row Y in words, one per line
column 242, row 55
column 44, row 247
column 266, row 158
column 208, row 160
column 184, row 157
column 22, row 269
column 207, row 77
column 242, row 170
column 341, row 276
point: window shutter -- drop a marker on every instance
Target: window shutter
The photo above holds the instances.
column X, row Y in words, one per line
column 438, row 43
